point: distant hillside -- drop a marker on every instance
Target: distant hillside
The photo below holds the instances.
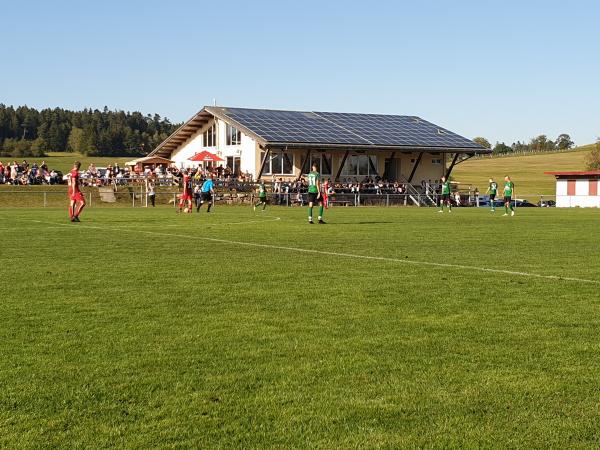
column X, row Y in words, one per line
column 527, row 171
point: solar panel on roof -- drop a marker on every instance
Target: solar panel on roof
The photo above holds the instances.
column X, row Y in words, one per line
column 345, row 129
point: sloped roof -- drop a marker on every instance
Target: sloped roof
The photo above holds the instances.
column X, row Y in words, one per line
column 274, row 128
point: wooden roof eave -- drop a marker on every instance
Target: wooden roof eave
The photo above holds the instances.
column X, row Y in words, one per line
column 190, row 127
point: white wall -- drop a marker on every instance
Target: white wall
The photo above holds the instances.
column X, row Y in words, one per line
column 561, row 187
column 581, row 198
column 195, row 145
column 188, row 149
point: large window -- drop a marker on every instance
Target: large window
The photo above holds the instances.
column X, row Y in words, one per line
column 279, row 163
column 210, row 137
column 323, row 162
column 233, row 162
column 234, row 136
column 363, row 165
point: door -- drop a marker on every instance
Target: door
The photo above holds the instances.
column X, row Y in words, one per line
column 390, row 172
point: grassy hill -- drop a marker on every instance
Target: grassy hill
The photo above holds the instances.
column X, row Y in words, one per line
column 527, row 171
column 64, row 160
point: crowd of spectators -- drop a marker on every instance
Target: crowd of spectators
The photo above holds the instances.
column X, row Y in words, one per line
column 169, row 175
column 159, row 174
column 22, row 174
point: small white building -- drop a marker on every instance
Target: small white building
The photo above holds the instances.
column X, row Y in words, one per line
column 577, row 189
column 269, row 143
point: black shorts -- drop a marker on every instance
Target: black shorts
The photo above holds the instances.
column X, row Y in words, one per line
column 492, row 197
column 445, row 197
column 507, row 199
column 312, row 198
column 262, row 199
column 206, row 196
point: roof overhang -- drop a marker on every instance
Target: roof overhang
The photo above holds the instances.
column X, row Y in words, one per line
column 575, row 174
column 182, row 134
column 397, row 148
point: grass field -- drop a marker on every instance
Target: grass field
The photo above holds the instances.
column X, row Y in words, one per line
column 63, row 161
column 526, row 171
column 392, row 328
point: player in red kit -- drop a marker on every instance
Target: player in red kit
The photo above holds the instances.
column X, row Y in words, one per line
column 186, row 194
column 76, row 198
column 325, row 194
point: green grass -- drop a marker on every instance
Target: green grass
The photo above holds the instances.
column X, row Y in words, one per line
column 133, row 330
column 63, row 161
column 527, row 171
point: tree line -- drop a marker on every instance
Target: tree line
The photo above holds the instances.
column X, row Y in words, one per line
column 539, row 143
column 26, row 131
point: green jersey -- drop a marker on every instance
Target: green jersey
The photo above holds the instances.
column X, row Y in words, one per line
column 313, row 179
column 508, row 188
column 493, row 188
column 445, row 187
column 262, row 191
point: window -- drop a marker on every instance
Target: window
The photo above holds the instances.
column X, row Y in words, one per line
column 233, row 162
column 323, row 162
column 436, row 161
column 210, row 137
column 364, row 165
column 593, row 187
column 234, row 136
column 279, row 163
column 571, row 187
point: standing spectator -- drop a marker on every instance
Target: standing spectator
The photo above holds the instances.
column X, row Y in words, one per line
column 1, row 173
column 151, row 192
column 457, row 198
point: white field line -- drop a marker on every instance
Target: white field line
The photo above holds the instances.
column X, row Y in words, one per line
column 325, row 252
column 273, row 219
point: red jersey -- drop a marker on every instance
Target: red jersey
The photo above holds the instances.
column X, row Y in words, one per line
column 74, row 192
column 187, row 188
column 187, row 184
column 73, row 181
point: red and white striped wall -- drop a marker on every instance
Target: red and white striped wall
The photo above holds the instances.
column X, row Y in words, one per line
column 577, row 189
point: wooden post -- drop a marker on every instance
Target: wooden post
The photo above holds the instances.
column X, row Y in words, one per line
column 262, row 164
column 339, row 171
column 414, row 169
column 449, row 171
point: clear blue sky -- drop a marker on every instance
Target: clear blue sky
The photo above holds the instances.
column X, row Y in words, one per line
column 506, row 70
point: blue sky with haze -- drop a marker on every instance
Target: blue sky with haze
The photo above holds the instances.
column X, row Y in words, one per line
column 506, row 70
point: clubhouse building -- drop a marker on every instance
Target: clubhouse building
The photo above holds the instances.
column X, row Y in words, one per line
column 344, row 146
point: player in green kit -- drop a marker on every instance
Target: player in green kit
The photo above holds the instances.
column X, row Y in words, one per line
column 446, row 189
column 314, row 194
column 262, row 196
column 492, row 190
column 509, row 190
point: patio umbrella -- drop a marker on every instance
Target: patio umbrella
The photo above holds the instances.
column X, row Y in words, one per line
column 205, row 156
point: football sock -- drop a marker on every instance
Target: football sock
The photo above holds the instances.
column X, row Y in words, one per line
column 506, row 209
column 310, row 213
column 320, row 212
